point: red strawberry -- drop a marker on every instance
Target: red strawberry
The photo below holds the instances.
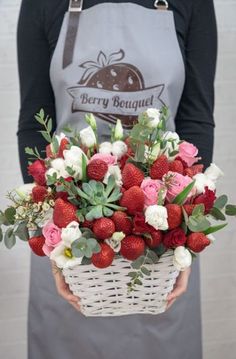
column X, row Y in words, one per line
column 197, row 242
column 124, row 158
column 39, row 193
column 63, row 146
column 192, row 171
column 176, row 166
column 104, row 258
column 159, row 168
column 122, row 222
column 154, row 239
column 189, row 208
column 133, row 200
column 132, row 247
column 103, row 228
column 64, row 213
column 132, row 176
column 175, row 215
column 97, row 169
column 87, row 224
column 36, row 244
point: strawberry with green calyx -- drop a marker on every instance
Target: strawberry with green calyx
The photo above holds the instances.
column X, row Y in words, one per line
column 103, row 228
column 100, row 198
column 133, row 200
column 104, row 258
column 36, row 243
column 131, row 176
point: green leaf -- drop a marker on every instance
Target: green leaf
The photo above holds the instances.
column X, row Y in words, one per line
column 198, row 210
column 152, row 256
column 46, row 136
column 230, row 210
column 173, row 153
column 107, row 212
column 10, row 214
column 85, row 261
column 145, row 271
column 49, row 125
column 161, row 249
column 84, row 168
column 82, row 194
column 40, row 116
column 1, row 234
column 22, row 232
column 221, row 201
column 181, row 197
column 217, row 214
column 29, row 151
column 9, row 238
column 138, row 262
column 110, row 185
column 214, row 229
column 132, row 274
column 198, row 224
column 138, row 281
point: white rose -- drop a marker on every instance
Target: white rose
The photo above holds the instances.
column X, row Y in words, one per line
column 213, row 172
column 156, row 216
column 105, row 148
column 25, row 190
column 88, row 137
column 119, row 149
column 182, row 258
column 73, row 159
column 115, row 241
column 116, row 172
column 154, row 117
column 152, row 153
column 59, row 165
column 202, row 181
column 70, row 233
column 119, row 132
column 63, row 257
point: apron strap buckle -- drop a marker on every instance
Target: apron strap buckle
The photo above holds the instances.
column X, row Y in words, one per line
column 76, row 5
column 161, row 4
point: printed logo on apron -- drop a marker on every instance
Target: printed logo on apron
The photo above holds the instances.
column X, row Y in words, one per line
column 114, row 87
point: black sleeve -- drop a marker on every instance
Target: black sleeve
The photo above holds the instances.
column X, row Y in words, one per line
column 35, row 88
column 195, row 119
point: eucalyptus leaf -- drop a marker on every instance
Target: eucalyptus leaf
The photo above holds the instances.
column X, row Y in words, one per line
column 22, row 232
column 138, row 281
column 138, row 262
column 145, row 271
column 10, row 214
column 221, row 201
column 160, row 249
column 230, row 210
column 132, row 274
column 198, row 210
column 217, row 214
column 86, row 261
column 152, row 255
column 198, row 224
column 9, row 238
column 1, row 235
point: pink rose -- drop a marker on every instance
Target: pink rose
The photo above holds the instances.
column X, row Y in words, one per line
column 150, row 189
column 47, row 249
column 188, row 153
column 109, row 159
column 52, row 235
column 175, row 183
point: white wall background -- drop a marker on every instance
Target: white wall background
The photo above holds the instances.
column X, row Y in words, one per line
column 218, row 265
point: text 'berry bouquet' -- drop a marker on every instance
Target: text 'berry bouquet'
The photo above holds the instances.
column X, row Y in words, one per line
column 122, row 218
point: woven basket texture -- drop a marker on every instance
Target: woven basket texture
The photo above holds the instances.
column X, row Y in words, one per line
column 103, row 292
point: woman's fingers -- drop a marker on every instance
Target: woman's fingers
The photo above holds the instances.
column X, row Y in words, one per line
column 170, row 302
column 63, row 288
column 181, row 285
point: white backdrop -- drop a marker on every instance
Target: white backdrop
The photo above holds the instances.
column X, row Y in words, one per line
column 218, row 264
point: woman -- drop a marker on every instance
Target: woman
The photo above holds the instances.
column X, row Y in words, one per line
column 105, row 59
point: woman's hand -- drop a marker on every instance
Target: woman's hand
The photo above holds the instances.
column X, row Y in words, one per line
column 63, row 288
column 180, row 286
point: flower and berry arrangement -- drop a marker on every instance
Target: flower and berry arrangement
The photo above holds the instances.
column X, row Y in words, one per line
column 135, row 197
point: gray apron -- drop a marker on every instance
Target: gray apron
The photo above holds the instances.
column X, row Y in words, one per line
column 124, row 59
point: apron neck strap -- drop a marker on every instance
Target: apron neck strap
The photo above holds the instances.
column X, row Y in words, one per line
column 75, row 5
column 161, row 4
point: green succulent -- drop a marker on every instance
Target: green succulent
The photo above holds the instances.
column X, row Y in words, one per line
column 100, row 198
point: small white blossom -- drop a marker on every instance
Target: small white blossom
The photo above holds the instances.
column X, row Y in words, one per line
column 182, row 258
column 119, row 132
column 115, row 241
column 88, row 137
column 105, row 148
column 119, row 149
column 154, row 117
column 70, row 233
column 25, row 190
column 59, row 165
column 116, row 172
column 213, row 172
column 156, row 216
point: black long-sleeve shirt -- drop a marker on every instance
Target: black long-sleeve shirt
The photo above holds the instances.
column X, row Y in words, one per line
column 38, row 29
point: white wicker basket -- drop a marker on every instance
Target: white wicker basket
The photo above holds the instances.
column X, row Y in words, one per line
column 103, row 292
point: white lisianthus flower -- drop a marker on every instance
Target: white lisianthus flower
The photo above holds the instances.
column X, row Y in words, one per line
column 88, row 138
column 211, row 238
column 115, row 241
column 63, row 257
column 51, row 172
column 70, row 233
column 202, row 181
column 59, row 165
column 213, row 172
column 119, row 149
column 73, row 159
column 25, row 190
column 115, row 171
column 172, row 143
column 105, row 148
column 119, row 132
column 156, row 216
column 182, row 258
column 154, row 117
column 152, row 153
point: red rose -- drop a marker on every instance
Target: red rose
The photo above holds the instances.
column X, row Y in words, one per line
column 207, row 198
column 140, row 226
column 37, row 170
column 174, row 238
